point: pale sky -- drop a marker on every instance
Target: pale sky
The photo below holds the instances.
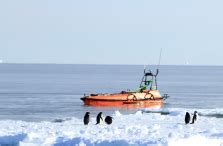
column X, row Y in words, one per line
column 112, row 31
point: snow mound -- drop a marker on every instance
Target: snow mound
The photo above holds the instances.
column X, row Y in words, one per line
column 12, row 139
column 146, row 127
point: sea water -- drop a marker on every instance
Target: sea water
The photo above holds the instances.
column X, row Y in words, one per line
column 35, row 97
column 36, row 92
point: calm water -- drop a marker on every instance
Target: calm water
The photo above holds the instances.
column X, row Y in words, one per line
column 45, row 92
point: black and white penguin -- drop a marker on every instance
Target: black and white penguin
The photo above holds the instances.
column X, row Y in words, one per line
column 86, row 118
column 108, row 120
column 99, row 118
column 187, row 118
column 194, row 119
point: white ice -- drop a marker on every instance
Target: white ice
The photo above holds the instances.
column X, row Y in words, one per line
column 146, row 127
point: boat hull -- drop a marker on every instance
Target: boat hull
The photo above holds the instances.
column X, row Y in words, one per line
column 141, row 100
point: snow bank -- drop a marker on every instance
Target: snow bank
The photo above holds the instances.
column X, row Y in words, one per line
column 146, row 127
column 195, row 140
column 12, row 139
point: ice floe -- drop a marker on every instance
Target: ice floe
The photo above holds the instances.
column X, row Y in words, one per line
column 145, row 127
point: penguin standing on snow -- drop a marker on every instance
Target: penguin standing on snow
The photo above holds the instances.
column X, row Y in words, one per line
column 194, row 117
column 86, row 118
column 187, row 118
column 108, row 120
column 99, row 118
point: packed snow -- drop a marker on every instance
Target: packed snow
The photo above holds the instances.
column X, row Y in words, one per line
column 156, row 127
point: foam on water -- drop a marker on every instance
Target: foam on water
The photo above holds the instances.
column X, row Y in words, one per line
column 142, row 128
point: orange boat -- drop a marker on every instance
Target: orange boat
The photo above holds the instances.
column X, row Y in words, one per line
column 146, row 95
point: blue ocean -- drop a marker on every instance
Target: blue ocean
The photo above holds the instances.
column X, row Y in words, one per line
column 44, row 92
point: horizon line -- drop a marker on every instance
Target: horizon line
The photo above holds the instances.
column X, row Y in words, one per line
column 107, row 64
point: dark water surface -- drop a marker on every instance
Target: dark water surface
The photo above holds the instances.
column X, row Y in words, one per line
column 37, row 92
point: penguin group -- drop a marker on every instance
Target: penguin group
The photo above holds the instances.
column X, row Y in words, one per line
column 108, row 119
column 188, row 118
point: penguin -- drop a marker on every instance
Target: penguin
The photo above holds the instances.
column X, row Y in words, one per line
column 108, row 120
column 99, row 117
column 86, row 118
column 194, row 117
column 187, row 118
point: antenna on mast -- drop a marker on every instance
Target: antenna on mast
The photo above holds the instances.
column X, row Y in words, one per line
column 161, row 49
column 157, row 71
